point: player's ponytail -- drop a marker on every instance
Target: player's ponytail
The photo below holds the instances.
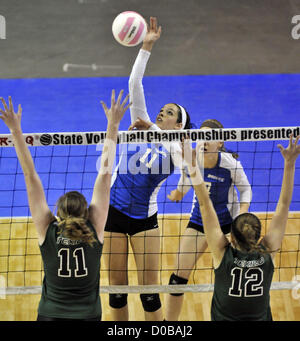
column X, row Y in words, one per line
column 73, row 215
column 246, row 230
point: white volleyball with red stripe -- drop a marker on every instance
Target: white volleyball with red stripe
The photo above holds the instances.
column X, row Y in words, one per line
column 129, row 28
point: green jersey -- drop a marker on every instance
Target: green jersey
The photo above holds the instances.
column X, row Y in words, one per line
column 72, row 276
column 242, row 287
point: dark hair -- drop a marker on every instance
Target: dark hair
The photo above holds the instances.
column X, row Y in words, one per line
column 72, row 212
column 188, row 124
column 215, row 124
column 246, row 230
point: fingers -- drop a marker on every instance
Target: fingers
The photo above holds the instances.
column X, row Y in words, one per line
column 11, row 106
column 20, row 110
column 135, row 125
column 141, row 121
column 159, row 30
column 125, row 100
column 291, row 140
column 118, row 102
column 113, row 96
column 280, row 147
column 4, row 104
column 291, row 143
column 120, row 96
column 113, row 101
column 127, row 106
column 169, row 196
column 104, row 106
column 297, row 140
column 153, row 25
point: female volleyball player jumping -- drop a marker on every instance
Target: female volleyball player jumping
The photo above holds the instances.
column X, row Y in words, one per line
column 222, row 173
column 133, row 206
column 244, row 268
column 71, row 244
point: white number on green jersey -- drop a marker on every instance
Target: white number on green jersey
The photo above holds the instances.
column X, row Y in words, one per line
column 252, row 286
column 64, row 265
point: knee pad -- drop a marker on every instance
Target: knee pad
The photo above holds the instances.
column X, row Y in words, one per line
column 117, row 301
column 174, row 280
column 151, row 302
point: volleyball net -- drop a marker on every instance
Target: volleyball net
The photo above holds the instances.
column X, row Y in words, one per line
column 69, row 161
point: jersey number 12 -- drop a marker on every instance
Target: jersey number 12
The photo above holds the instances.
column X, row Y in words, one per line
column 253, row 280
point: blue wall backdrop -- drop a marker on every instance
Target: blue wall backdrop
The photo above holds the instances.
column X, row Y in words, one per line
column 73, row 104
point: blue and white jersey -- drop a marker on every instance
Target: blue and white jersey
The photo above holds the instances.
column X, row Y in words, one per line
column 141, row 171
column 221, row 182
column 142, row 168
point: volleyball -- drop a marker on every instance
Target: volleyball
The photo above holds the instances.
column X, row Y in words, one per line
column 129, row 28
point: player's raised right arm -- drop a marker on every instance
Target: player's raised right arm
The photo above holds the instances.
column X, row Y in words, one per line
column 215, row 238
column 136, row 90
column 99, row 205
column 275, row 233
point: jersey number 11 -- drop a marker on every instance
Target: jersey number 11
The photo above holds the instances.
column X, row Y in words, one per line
column 64, row 267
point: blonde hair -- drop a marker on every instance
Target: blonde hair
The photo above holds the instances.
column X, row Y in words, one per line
column 72, row 212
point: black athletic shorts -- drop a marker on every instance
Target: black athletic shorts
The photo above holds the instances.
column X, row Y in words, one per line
column 225, row 228
column 121, row 223
column 45, row 318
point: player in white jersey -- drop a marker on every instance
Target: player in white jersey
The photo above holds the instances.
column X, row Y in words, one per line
column 133, row 208
column 222, row 173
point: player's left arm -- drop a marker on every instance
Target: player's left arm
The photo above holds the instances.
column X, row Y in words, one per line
column 216, row 240
column 98, row 209
column 40, row 211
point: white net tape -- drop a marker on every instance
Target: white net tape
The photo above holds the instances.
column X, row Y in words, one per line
column 93, row 138
column 140, row 289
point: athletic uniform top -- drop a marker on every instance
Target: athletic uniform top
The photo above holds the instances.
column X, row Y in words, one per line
column 221, row 181
column 138, row 178
column 142, row 168
column 72, row 274
column 242, row 287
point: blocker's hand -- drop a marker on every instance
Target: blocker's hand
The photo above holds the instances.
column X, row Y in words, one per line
column 115, row 113
column 292, row 151
column 10, row 117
